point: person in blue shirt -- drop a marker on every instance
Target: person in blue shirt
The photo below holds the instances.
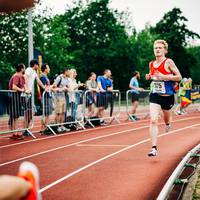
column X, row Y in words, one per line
column 135, row 90
column 104, row 84
column 46, row 100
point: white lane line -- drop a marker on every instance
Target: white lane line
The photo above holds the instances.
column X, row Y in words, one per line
column 102, row 145
column 88, row 130
column 72, row 144
column 109, row 156
column 54, row 136
column 75, row 143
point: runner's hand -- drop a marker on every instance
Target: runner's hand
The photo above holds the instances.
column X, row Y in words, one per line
column 148, row 76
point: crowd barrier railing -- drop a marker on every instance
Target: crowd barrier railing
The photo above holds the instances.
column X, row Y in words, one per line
column 196, row 87
column 63, row 111
column 143, row 100
column 102, row 107
column 80, row 108
column 184, row 163
column 16, row 112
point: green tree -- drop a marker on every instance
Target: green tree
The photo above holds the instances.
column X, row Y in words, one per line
column 13, row 44
column 195, row 69
column 172, row 27
column 99, row 41
column 6, row 70
column 13, row 38
column 50, row 37
column 143, row 46
column 54, row 41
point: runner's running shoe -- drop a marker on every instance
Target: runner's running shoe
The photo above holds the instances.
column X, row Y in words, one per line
column 153, row 152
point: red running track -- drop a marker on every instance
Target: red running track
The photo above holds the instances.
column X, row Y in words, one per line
column 106, row 162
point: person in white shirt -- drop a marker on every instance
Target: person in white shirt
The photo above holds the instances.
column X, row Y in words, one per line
column 30, row 77
column 74, row 95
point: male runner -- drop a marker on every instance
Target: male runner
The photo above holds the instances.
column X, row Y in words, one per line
column 163, row 73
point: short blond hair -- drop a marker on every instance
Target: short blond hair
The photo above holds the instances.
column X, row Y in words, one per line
column 162, row 42
column 72, row 72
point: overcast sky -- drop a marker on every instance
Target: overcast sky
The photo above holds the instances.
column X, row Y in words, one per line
column 146, row 11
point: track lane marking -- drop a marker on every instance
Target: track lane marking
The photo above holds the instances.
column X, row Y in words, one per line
column 69, row 145
column 55, row 136
column 87, row 130
column 76, row 143
column 102, row 145
column 109, row 156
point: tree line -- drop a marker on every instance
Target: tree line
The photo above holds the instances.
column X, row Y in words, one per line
column 94, row 37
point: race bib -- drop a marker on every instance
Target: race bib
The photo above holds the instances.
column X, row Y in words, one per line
column 158, row 87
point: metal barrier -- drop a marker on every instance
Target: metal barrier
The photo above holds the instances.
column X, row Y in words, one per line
column 102, row 106
column 63, row 111
column 170, row 182
column 196, row 87
column 143, row 100
column 16, row 113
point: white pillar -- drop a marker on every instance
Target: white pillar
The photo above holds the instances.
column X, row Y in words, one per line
column 30, row 35
column 30, row 47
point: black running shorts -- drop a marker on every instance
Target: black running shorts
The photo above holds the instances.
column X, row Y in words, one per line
column 166, row 102
column 134, row 97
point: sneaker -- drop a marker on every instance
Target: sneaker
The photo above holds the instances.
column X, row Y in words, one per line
column 136, row 118
column 177, row 112
column 131, row 117
column 46, row 132
column 167, row 127
column 17, row 137
column 184, row 111
column 64, row 129
column 25, row 133
column 30, row 173
column 67, row 129
column 59, row 129
column 153, row 152
column 102, row 123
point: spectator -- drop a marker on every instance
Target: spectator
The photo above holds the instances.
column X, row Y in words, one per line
column 30, row 76
column 91, row 86
column 47, row 96
column 184, row 101
column 17, row 84
column 188, row 86
column 74, row 96
column 62, row 84
column 104, row 84
column 135, row 90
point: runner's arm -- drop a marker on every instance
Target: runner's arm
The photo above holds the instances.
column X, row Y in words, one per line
column 148, row 76
column 170, row 66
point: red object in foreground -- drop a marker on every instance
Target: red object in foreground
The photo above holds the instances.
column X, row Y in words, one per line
column 8, row 6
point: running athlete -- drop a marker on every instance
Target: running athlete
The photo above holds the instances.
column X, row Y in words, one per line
column 163, row 73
